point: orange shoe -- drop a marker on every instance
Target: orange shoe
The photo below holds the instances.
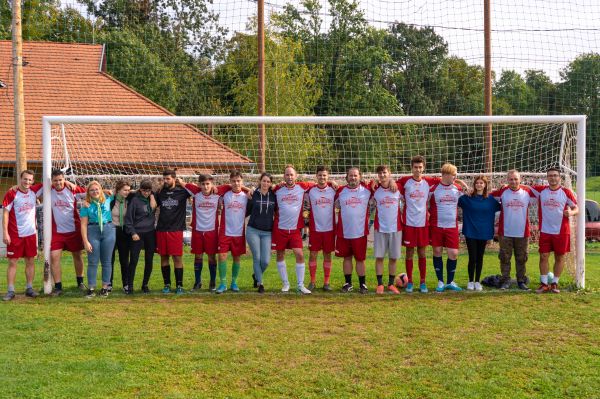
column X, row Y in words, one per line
column 554, row 288
column 392, row 288
column 379, row 289
column 543, row 289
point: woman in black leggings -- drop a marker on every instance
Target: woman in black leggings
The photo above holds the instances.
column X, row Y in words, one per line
column 479, row 212
column 118, row 208
column 139, row 223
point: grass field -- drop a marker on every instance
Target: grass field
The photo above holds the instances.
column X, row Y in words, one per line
column 202, row 345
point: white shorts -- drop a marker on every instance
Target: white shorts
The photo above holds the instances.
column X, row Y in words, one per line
column 387, row 243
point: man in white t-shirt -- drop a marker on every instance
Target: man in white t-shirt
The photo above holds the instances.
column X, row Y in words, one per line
column 20, row 231
column 353, row 227
column 513, row 228
column 555, row 205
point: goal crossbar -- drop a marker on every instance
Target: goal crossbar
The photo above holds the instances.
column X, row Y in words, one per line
column 579, row 120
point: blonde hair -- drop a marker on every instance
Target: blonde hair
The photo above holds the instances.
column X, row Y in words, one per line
column 449, row 169
column 88, row 198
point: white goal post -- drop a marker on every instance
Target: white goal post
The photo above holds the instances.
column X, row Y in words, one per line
column 575, row 120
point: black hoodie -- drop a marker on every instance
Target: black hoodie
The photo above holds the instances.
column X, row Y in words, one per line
column 139, row 217
column 261, row 209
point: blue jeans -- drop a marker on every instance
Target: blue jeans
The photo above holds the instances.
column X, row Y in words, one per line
column 260, row 246
column 103, row 244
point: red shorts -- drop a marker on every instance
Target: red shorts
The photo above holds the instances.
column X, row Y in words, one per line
column 235, row 245
column 71, row 242
column 205, row 242
column 286, row 239
column 321, row 241
column 560, row 244
column 356, row 247
column 415, row 236
column 169, row 243
column 444, row 237
column 22, row 247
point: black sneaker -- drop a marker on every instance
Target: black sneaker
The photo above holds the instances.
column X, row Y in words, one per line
column 10, row 295
column 129, row 291
column 145, row 289
column 212, row 285
column 90, row 293
column 523, row 286
column 255, row 281
column 363, row 289
column 197, row 287
column 82, row 287
column 125, row 289
column 56, row 292
column 104, row 292
column 261, row 289
column 505, row 285
column 347, row 287
column 30, row 292
column 109, row 288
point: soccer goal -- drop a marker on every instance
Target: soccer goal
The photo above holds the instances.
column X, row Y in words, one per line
column 111, row 148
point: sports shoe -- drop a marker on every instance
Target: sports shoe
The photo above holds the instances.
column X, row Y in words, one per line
column 212, row 286
column 82, row 287
column 440, row 287
column 261, row 289
column 363, row 289
column 423, row 288
column 90, row 293
column 453, row 287
column 56, row 292
column 505, row 285
column 286, row 287
column 326, row 287
column 104, row 292
column 234, row 287
column 129, row 292
column 10, row 295
column 125, row 289
column 145, row 289
column 109, row 288
column 409, row 288
column 478, row 286
column 392, row 288
column 470, row 286
column 166, row 289
column 179, row 290
column 543, row 289
column 554, row 288
column 523, row 287
column 30, row 292
column 347, row 287
column 311, row 286
column 303, row 290
column 255, row 282
column 197, row 287
column 221, row 289
column 379, row 289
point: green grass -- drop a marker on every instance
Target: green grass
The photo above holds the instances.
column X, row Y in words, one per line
column 493, row 344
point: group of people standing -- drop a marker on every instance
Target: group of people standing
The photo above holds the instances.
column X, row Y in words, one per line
column 415, row 211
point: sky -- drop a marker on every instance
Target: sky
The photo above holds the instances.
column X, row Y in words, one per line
column 526, row 34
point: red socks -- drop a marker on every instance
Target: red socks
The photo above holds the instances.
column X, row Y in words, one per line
column 312, row 267
column 326, row 271
column 423, row 269
column 409, row 269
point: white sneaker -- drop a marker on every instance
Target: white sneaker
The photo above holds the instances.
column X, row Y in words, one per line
column 286, row 287
column 471, row 286
column 303, row 290
column 478, row 286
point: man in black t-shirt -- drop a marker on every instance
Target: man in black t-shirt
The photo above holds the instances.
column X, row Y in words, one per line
column 172, row 201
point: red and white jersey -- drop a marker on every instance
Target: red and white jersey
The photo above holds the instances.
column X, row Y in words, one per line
column 204, row 217
column 322, row 211
column 353, row 220
column 65, row 217
column 290, row 201
column 551, row 205
column 21, row 208
column 387, row 214
column 233, row 215
column 415, row 194
column 514, row 218
column 443, row 205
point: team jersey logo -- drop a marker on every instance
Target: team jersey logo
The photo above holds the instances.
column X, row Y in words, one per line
column 62, row 204
column 206, row 205
column 323, row 202
column 515, row 204
column 388, row 202
column 236, row 206
column 417, row 195
column 448, row 199
column 26, row 207
column 353, row 202
column 289, row 198
column 552, row 203
column 170, row 203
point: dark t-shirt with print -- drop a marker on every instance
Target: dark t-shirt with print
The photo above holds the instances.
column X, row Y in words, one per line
column 172, row 204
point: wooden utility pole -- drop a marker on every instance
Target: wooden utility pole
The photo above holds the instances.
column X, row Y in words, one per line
column 262, row 141
column 488, row 82
column 17, row 37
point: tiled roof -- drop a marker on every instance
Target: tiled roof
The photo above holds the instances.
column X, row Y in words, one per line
column 65, row 79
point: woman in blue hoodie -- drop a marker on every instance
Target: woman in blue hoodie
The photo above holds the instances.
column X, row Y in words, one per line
column 261, row 208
